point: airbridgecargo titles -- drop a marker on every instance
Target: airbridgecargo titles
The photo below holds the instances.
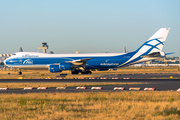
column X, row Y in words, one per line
column 150, row 50
column 30, row 56
column 109, row 64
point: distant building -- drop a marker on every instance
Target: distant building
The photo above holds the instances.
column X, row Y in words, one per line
column 44, row 47
column 124, row 51
column 51, row 52
column 167, row 60
column 107, row 51
column 20, row 49
column 77, row 51
column 4, row 56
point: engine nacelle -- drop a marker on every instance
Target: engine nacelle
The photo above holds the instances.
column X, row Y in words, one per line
column 65, row 66
column 54, row 68
column 60, row 67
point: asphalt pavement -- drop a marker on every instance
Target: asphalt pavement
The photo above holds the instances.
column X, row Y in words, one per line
column 159, row 84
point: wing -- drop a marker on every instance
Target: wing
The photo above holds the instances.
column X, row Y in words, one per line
column 79, row 62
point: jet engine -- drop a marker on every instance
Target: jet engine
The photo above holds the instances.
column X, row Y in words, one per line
column 60, row 67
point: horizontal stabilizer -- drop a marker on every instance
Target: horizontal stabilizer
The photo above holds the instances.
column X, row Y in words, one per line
column 170, row 53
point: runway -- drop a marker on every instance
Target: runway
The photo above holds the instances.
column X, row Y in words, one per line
column 159, row 84
column 86, row 80
column 105, row 78
column 146, row 79
column 145, row 75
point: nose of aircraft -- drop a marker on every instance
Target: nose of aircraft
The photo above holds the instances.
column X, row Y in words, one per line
column 7, row 61
column 4, row 62
column 11, row 61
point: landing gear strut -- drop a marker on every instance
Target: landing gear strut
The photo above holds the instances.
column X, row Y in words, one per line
column 19, row 73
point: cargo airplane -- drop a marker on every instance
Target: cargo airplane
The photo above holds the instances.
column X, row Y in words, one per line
column 84, row 63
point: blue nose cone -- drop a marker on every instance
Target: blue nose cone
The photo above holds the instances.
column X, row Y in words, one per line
column 10, row 61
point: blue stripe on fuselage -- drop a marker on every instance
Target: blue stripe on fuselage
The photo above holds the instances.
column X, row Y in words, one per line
column 95, row 62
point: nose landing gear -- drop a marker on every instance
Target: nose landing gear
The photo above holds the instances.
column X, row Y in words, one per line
column 19, row 73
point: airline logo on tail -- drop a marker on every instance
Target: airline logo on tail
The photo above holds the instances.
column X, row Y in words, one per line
column 156, row 42
column 153, row 44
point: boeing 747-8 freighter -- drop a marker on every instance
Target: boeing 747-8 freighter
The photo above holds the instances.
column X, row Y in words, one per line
column 150, row 50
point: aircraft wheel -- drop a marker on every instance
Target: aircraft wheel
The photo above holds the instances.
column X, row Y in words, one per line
column 83, row 72
column 75, row 72
column 19, row 73
column 87, row 72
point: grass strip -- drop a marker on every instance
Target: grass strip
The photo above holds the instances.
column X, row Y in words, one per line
column 91, row 105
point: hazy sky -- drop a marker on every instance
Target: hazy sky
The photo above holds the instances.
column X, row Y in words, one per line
column 87, row 25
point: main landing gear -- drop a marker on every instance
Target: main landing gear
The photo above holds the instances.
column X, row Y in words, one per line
column 82, row 72
column 75, row 72
column 86, row 72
